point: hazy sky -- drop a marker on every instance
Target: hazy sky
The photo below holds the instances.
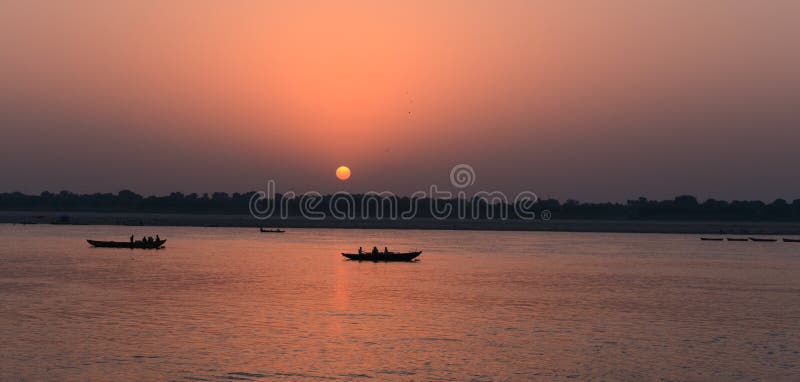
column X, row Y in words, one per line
column 594, row 100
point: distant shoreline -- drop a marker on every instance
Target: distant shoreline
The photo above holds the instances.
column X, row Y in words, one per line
column 554, row 225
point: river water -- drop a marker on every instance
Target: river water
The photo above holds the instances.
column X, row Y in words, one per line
column 235, row 304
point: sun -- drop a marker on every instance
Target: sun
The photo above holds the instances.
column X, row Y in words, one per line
column 343, row 173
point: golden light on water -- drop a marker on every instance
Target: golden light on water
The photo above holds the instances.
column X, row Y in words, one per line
column 343, row 173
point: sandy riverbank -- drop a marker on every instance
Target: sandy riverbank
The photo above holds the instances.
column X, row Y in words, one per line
column 211, row 220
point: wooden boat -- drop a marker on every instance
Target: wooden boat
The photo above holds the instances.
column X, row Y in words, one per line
column 382, row 256
column 785, row 240
column 711, row 238
column 762, row 239
column 271, row 230
column 738, row 239
column 127, row 244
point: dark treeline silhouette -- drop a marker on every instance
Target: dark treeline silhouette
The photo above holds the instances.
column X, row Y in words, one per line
column 683, row 207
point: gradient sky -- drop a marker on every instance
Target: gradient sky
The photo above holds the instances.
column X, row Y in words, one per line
column 593, row 100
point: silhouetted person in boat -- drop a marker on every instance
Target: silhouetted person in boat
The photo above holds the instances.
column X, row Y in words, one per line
column 158, row 238
column 375, row 250
column 385, row 250
column 131, row 239
column 144, row 240
column 360, row 250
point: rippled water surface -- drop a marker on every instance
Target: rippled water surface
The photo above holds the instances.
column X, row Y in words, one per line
column 234, row 304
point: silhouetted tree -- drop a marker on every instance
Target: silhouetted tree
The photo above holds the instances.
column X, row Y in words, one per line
column 681, row 207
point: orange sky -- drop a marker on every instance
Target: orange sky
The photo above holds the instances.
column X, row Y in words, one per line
column 587, row 99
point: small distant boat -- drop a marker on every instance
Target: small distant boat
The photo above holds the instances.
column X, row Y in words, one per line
column 711, row 238
column 277, row 230
column 762, row 239
column 157, row 244
column 738, row 239
column 791, row 240
column 382, row 256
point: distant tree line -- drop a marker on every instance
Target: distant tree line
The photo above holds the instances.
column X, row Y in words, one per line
column 683, row 207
